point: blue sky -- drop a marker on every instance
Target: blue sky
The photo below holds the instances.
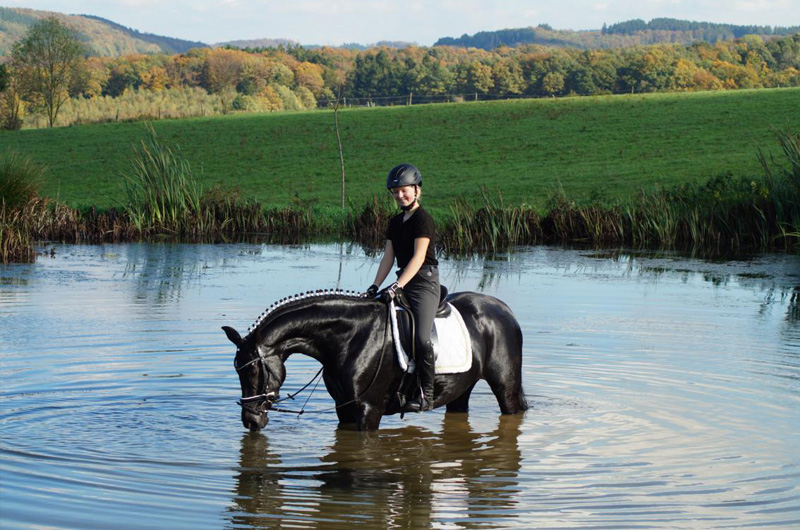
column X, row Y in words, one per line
column 368, row 21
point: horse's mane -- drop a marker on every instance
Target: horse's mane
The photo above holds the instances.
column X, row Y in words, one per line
column 290, row 301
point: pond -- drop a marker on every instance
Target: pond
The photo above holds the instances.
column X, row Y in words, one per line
column 664, row 392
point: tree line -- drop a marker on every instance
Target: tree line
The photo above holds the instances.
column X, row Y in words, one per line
column 712, row 30
column 293, row 77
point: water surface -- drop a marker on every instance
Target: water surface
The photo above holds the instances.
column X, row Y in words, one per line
column 664, row 394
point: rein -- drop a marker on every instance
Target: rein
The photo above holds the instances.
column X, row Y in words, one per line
column 270, row 398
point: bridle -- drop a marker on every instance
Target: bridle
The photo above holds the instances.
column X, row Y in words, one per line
column 262, row 403
column 259, row 403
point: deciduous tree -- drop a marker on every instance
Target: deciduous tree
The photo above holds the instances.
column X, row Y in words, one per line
column 45, row 61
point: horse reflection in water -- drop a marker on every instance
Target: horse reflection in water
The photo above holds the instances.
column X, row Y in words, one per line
column 351, row 337
column 398, row 478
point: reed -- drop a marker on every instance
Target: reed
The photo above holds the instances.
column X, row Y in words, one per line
column 488, row 225
column 19, row 182
column 15, row 241
column 162, row 195
column 783, row 187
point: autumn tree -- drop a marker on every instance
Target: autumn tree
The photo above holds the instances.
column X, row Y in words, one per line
column 222, row 71
column 45, row 61
column 11, row 106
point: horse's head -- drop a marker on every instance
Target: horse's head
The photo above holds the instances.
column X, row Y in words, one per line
column 261, row 374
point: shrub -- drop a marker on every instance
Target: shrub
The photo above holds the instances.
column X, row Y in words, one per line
column 19, row 179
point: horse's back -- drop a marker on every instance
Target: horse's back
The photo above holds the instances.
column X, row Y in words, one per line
column 483, row 307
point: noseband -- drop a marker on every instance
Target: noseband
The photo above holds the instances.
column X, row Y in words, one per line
column 260, row 403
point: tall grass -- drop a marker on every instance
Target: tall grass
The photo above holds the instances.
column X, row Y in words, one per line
column 488, row 224
column 20, row 179
column 15, row 240
column 162, row 195
column 19, row 183
column 783, row 185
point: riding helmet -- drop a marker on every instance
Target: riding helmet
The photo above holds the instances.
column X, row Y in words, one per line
column 403, row 175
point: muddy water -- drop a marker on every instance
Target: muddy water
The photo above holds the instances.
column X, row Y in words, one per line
column 664, row 394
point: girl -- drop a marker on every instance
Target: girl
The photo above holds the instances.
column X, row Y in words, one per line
column 410, row 239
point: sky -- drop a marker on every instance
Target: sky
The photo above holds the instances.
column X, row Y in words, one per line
column 334, row 22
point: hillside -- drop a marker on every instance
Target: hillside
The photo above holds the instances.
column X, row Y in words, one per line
column 168, row 45
column 100, row 36
column 622, row 34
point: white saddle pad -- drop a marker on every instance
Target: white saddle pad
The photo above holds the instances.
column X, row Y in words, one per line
column 451, row 344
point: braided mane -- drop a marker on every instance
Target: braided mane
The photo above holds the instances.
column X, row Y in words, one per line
column 290, row 300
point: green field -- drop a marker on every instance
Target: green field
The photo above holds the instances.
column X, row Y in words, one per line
column 596, row 147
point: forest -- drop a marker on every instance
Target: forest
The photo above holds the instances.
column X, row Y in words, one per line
column 621, row 34
column 205, row 81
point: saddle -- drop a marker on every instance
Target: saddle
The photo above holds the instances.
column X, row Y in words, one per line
column 451, row 343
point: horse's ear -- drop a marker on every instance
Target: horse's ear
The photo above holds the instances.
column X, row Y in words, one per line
column 233, row 335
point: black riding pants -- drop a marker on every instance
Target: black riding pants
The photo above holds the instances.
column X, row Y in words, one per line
column 423, row 297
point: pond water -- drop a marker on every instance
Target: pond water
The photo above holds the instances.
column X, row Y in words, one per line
column 664, row 393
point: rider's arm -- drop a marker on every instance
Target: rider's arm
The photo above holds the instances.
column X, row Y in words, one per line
column 386, row 264
column 411, row 270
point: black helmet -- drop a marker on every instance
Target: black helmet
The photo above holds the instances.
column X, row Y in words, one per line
column 403, row 175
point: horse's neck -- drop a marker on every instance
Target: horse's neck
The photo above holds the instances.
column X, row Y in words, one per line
column 321, row 329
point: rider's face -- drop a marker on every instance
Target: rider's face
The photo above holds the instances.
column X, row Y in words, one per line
column 404, row 195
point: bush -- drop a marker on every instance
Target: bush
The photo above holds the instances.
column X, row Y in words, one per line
column 20, row 178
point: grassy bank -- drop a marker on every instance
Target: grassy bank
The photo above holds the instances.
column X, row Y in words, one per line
column 163, row 201
column 606, row 148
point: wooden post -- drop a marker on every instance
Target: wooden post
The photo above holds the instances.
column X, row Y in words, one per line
column 339, row 139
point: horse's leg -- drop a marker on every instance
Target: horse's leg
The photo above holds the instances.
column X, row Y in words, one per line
column 461, row 403
column 504, row 375
column 506, row 386
column 369, row 417
column 347, row 416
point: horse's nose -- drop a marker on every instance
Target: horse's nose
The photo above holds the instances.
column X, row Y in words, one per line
column 254, row 422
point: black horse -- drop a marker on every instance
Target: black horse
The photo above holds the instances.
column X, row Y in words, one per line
column 351, row 337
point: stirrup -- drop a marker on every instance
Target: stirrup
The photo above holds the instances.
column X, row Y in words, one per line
column 420, row 404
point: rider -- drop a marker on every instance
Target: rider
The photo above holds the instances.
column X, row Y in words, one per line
column 410, row 238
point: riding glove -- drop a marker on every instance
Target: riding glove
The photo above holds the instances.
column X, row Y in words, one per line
column 391, row 292
column 372, row 290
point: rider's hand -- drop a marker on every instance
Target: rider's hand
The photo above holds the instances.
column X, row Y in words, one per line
column 372, row 290
column 390, row 292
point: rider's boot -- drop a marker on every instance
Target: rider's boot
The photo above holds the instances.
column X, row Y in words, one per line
column 425, row 364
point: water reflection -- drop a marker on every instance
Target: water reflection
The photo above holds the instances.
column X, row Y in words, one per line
column 666, row 393
column 396, row 478
column 162, row 272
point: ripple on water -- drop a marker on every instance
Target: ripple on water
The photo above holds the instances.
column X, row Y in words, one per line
column 663, row 391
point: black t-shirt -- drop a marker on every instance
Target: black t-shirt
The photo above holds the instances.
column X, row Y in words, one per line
column 402, row 235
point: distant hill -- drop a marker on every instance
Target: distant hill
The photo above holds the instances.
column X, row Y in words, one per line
column 106, row 38
column 101, row 37
column 630, row 33
column 168, row 45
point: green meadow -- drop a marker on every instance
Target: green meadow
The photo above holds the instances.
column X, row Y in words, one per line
column 595, row 148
